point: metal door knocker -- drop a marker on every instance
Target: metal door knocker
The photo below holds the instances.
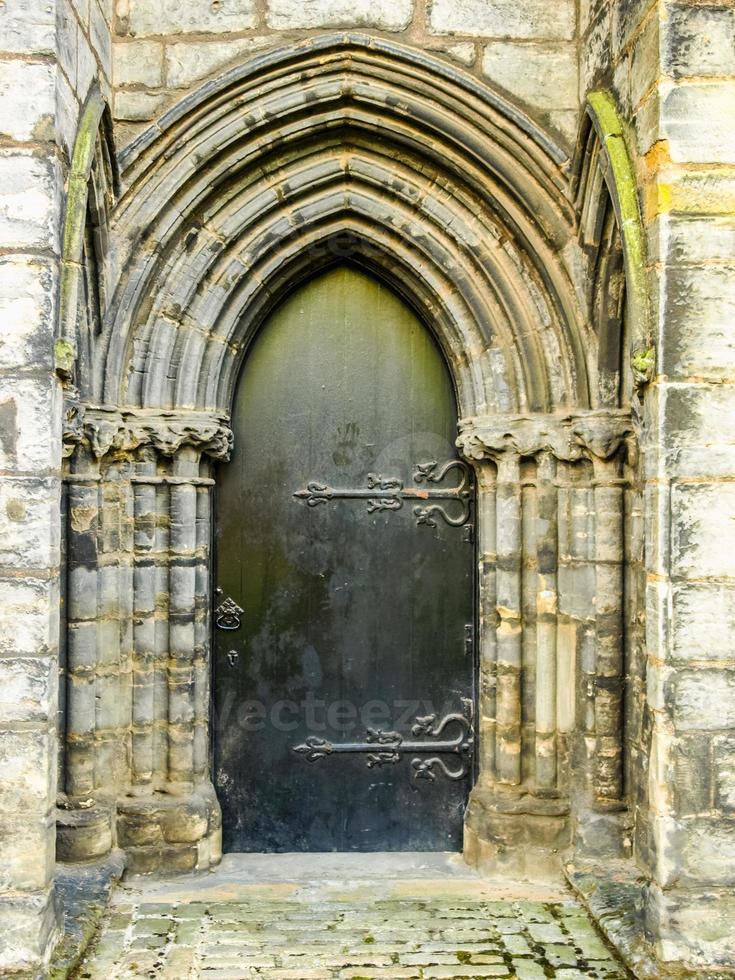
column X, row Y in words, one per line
column 227, row 614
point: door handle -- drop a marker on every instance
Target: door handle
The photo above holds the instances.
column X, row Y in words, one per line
column 227, row 614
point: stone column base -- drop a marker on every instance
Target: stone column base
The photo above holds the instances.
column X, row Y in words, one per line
column 84, row 833
column 693, row 928
column 603, row 835
column 519, row 834
column 164, row 834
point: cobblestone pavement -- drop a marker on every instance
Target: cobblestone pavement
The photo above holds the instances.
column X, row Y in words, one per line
column 420, row 927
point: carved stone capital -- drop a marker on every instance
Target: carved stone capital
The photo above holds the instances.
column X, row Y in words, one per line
column 110, row 430
column 568, row 437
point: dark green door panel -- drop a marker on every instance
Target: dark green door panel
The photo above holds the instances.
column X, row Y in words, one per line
column 357, row 594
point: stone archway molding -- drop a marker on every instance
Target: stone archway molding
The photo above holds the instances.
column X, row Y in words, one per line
column 339, row 148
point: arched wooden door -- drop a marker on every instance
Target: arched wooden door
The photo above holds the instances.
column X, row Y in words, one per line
column 344, row 665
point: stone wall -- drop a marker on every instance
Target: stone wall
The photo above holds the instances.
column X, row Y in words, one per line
column 31, row 177
column 162, row 50
column 690, row 208
column 50, row 55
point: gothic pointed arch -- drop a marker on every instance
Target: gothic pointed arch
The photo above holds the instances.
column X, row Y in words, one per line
column 354, row 144
column 92, row 189
column 613, row 239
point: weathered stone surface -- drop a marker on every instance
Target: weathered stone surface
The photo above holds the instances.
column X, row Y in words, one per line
column 84, row 834
column 385, row 930
column 134, row 106
column 27, row 100
column 190, row 62
column 29, row 215
column 388, row 15
column 29, row 511
column 703, row 533
column 151, row 17
column 138, row 63
column 28, row 689
column 28, row 27
column 28, row 852
column 525, row 70
column 27, row 308
column 495, row 18
column 703, row 621
column 698, row 40
column 26, row 783
column 693, row 115
column 703, row 699
column 30, row 931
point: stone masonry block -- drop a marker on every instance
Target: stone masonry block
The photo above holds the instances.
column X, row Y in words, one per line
column 187, row 63
column 29, row 523
column 28, row 27
column 697, row 430
column 703, row 191
column 707, row 849
column 692, row 925
column 497, row 18
column 30, row 931
column 138, row 63
column 698, row 40
column 695, row 119
column 67, row 41
column 691, row 783
column 544, row 77
column 703, row 699
column 703, row 621
column 29, row 616
column 698, row 312
column 689, row 239
column 27, row 311
column 386, row 15
column 27, row 100
column 100, row 36
column 30, row 427
column 29, row 204
column 703, row 529
column 138, row 106
column 28, row 689
column 627, row 18
column 87, row 65
column 27, row 773
column 644, row 63
column 29, row 851
column 162, row 17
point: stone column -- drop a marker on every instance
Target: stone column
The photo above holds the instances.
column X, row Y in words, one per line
column 546, row 624
column 508, row 578
column 519, row 811
column 148, row 638
column 488, row 646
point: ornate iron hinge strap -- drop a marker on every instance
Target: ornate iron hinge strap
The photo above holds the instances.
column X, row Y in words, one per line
column 389, row 493
column 388, row 748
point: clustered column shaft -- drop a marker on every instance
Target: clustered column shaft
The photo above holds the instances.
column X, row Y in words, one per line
column 546, row 624
column 508, row 534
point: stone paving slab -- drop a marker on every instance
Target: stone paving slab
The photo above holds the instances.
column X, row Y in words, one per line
column 412, row 928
